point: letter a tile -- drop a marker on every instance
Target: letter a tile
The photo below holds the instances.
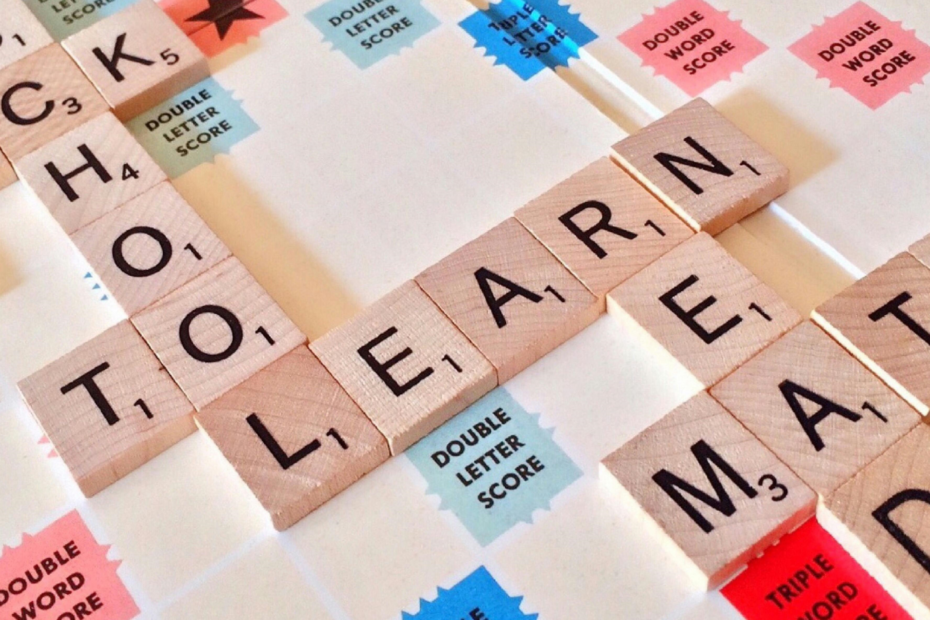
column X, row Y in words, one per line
column 714, row 490
column 406, row 365
column 294, row 436
column 603, row 225
column 216, row 331
column 137, row 58
column 816, row 407
column 884, row 320
column 108, row 407
column 882, row 517
column 510, row 296
column 89, row 171
column 704, row 307
column 149, row 247
column 703, row 167
column 46, row 96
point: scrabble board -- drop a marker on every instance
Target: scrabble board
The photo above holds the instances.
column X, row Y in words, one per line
column 448, row 309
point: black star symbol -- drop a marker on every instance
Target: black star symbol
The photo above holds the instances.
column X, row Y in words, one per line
column 223, row 13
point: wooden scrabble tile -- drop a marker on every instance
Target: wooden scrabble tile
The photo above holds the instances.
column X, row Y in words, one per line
column 21, row 33
column 137, row 58
column 294, row 436
column 603, row 225
column 816, row 407
column 149, row 247
column 89, row 171
column 510, row 296
column 48, row 96
column 216, row 331
column 7, row 174
column 921, row 250
column 882, row 517
column 884, row 320
column 712, row 488
column 704, row 307
column 108, row 407
column 406, row 365
column 703, row 167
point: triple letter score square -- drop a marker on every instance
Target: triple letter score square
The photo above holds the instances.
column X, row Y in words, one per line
column 711, row 487
column 406, row 365
column 709, row 311
column 703, row 167
column 108, row 407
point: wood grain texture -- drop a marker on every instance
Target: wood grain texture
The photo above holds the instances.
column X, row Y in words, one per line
column 49, row 96
column 867, row 504
column 172, row 62
column 429, row 370
column 921, row 250
column 7, row 174
column 732, row 315
column 602, row 225
column 816, row 407
column 550, row 307
column 21, row 33
column 716, row 189
column 149, row 247
column 108, row 166
column 866, row 318
column 216, row 331
column 760, row 512
column 97, row 452
column 325, row 441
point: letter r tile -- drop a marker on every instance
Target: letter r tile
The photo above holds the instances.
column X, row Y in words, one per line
column 714, row 491
column 294, row 436
column 510, row 296
column 137, row 58
column 884, row 320
column 882, row 516
column 704, row 307
column 703, row 167
column 603, row 225
column 216, row 331
column 406, row 365
column 108, row 407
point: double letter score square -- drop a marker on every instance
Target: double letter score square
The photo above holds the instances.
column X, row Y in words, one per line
column 884, row 320
column 89, row 171
column 821, row 411
column 149, row 247
column 406, row 365
column 713, row 489
column 108, row 407
column 47, row 95
column 603, row 225
column 703, row 167
column 216, row 331
column 137, row 58
column 510, row 296
column 294, row 436
column 704, row 307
